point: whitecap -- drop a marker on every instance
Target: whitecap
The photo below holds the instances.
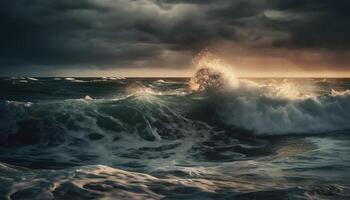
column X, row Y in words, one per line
column 28, row 104
column 340, row 93
column 88, row 98
column 32, row 79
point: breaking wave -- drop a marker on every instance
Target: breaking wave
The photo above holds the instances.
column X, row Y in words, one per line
column 282, row 107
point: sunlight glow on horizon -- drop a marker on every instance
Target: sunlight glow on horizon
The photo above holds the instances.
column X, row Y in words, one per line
column 188, row 72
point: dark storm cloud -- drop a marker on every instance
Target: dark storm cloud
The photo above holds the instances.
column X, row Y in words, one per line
column 64, row 32
column 120, row 33
column 236, row 10
column 323, row 24
column 186, row 1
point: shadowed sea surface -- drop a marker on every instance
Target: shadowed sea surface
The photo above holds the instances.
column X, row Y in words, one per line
column 172, row 138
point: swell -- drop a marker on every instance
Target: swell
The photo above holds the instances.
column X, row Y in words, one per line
column 141, row 130
column 103, row 182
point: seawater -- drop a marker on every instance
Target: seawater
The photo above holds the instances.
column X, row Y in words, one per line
column 170, row 138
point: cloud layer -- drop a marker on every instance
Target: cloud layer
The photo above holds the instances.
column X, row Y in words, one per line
column 103, row 34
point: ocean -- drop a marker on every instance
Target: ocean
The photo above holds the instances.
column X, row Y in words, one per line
column 206, row 137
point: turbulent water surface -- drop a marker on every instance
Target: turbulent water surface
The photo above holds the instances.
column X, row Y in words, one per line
column 205, row 138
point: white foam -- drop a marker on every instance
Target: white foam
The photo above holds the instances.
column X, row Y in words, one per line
column 88, row 98
column 28, row 104
column 32, row 79
column 74, row 80
column 340, row 93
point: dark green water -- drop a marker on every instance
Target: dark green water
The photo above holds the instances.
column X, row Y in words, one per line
column 103, row 138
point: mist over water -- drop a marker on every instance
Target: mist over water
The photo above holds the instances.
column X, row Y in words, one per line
column 213, row 136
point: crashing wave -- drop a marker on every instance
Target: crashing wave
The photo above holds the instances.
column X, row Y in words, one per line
column 275, row 108
column 207, row 79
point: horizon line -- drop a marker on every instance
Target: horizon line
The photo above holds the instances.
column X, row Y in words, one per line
column 169, row 77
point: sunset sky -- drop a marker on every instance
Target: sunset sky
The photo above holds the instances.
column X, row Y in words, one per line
column 161, row 37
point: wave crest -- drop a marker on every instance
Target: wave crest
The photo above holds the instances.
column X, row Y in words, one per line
column 205, row 79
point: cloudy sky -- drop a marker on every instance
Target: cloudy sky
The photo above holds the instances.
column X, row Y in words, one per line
column 160, row 37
